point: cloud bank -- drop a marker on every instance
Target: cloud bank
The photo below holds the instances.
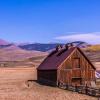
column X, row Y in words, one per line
column 93, row 38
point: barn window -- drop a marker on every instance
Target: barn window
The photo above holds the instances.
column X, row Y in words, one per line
column 76, row 62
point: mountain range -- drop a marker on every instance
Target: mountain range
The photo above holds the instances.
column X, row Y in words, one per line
column 12, row 52
column 49, row 46
column 16, row 52
column 44, row 47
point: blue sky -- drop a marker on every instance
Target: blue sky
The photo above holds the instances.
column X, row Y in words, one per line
column 49, row 20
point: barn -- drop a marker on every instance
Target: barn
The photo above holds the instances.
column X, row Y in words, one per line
column 66, row 64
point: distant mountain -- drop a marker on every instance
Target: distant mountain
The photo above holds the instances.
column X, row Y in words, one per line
column 81, row 44
column 14, row 53
column 22, row 51
column 3, row 42
column 38, row 47
column 49, row 47
column 36, row 52
column 7, row 45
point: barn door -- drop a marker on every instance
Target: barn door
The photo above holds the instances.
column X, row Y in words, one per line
column 76, row 72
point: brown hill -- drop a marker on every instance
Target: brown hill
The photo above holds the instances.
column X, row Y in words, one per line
column 14, row 53
column 93, row 53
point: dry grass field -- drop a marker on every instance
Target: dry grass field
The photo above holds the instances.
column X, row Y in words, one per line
column 14, row 86
column 92, row 48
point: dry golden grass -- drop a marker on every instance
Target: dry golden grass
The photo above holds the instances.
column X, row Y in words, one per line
column 93, row 48
column 97, row 65
column 13, row 86
column 93, row 52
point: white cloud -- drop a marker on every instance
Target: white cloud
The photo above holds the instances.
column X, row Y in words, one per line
column 87, row 37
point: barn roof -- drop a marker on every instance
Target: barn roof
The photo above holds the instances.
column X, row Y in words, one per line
column 54, row 60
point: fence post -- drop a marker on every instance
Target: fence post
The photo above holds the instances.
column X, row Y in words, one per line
column 76, row 88
column 94, row 92
column 86, row 89
column 58, row 83
column 99, row 91
column 66, row 86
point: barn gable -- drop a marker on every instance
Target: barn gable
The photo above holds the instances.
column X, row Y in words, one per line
column 76, row 54
column 76, row 69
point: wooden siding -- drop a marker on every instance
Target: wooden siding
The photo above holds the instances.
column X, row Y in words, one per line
column 71, row 72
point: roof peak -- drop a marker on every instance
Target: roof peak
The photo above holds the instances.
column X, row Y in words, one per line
column 65, row 46
column 59, row 49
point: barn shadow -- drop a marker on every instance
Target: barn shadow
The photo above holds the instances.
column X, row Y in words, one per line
column 44, row 83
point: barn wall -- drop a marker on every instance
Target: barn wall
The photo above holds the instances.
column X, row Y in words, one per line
column 47, row 76
column 68, row 70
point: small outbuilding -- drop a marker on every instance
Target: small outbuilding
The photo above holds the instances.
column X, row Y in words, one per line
column 66, row 64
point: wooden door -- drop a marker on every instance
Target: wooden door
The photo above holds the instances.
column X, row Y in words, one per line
column 76, row 72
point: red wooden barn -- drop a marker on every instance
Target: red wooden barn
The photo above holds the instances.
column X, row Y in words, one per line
column 68, row 65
